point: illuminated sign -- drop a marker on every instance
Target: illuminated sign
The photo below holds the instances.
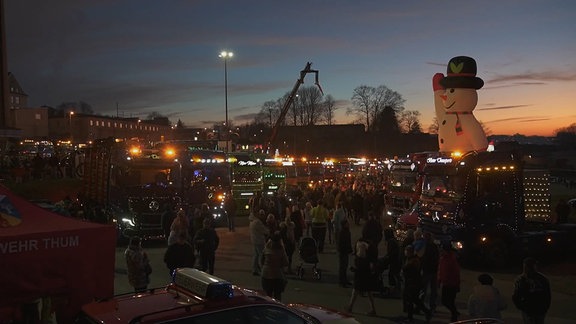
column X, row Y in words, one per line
column 439, row 160
column 247, row 163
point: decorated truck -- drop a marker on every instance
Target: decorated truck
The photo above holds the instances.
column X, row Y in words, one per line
column 404, row 183
column 491, row 205
column 133, row 184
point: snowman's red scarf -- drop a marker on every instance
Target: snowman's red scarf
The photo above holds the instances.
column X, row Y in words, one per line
column 458, row 126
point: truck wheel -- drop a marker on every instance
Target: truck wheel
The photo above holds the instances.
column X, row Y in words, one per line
column 497, row 254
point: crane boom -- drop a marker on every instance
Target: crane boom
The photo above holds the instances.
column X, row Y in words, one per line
column 290, row 99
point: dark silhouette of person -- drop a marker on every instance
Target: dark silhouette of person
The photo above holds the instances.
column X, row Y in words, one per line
column 206, row 241
column 532, row 294
column 562, row 211
column 179, row 254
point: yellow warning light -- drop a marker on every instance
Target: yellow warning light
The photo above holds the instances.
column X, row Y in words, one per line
column 135, row 150
column 170, row 152
column 456, row 154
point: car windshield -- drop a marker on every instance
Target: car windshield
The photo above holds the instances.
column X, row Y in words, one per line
column 443, row 186
column 403, row 181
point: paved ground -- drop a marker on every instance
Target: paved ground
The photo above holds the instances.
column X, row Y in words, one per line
column 233, row 263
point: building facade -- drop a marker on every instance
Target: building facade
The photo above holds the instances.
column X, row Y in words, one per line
column 84, row 128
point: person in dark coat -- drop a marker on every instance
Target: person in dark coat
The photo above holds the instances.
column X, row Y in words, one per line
column 179, row 254
column 274, row 259
column 344, row 250
column 230, row 206
column 412, row 273
column 372, row 231
column 532, row 293
column 394, row 260
column 562, row 211
column 167, row 218
column 206, row 242
column 430, row 259
column 298, row 219
column 449, row 279
column 364, row 263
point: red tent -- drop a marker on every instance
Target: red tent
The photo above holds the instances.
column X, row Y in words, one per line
column 43, row 254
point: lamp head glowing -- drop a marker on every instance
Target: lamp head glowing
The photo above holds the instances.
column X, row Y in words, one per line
column 225, row 54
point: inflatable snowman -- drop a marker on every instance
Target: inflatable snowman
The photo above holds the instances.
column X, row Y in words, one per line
column 455, row 97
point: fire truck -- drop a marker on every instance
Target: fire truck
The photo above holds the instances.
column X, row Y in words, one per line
column 194, row 296
column 134, row 184
column 491, row 206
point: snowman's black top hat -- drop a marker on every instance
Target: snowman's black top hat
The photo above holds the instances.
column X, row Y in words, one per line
column 461, row 73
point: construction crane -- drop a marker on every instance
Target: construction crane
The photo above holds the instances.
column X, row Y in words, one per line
column 289, row 101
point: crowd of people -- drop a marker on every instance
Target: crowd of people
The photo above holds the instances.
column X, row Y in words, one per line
column 20, row 167
column 419, row 271
column 192, row 241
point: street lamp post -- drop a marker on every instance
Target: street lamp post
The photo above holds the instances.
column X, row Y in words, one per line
column 226, row 55
column 70, row 124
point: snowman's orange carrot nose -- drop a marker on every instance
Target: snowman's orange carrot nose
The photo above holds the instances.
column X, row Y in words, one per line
column 443, row 97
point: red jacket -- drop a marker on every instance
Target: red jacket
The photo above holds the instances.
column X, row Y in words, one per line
column 449, row 270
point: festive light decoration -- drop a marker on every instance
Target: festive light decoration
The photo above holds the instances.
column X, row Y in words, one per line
column 537, row 196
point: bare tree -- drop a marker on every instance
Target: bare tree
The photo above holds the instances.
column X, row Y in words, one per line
column 271, row 110
column 433, row 128
column 329, row 108
column 568, row 129
column 409, row 122
column 369, row 102
column 363, row 104
column 311, row 104
column 306, row 108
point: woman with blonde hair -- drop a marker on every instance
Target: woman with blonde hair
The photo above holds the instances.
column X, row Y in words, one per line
column 287, row 233
column 179, row 226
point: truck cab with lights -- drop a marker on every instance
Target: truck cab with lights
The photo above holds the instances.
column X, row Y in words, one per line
column 404, row 183
column 490, row 205
column 137, row 182
column 198, row 297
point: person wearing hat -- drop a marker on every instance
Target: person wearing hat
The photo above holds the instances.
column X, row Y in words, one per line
column 485, row 300
column 455, row 97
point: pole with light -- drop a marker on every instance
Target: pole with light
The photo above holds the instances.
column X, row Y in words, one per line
column 226, row 55
column 70, row 123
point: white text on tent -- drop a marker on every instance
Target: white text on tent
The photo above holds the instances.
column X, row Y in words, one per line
column 43, row 244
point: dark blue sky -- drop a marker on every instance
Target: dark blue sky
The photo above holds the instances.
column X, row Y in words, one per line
column 162, row 56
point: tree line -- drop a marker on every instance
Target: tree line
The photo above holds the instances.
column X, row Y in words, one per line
column 380, row 109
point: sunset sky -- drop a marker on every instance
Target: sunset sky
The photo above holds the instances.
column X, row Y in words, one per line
column 141, row 56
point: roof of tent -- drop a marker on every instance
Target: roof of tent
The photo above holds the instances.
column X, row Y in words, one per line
column 43, row 254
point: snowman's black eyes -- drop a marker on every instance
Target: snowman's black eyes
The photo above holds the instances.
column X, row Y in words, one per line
column 451, row 90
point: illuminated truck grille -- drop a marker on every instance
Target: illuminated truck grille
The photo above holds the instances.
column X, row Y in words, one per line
column 440, row 228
